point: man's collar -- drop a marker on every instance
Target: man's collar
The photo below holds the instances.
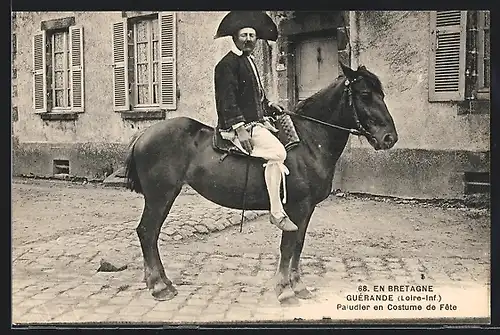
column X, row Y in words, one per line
column 237, row 51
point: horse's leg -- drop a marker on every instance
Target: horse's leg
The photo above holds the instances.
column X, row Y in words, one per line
column 155, row 212
column 298, row 286
column 282, row 288
column 300, row 214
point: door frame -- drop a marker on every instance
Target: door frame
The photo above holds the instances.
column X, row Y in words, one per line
column 290, row 32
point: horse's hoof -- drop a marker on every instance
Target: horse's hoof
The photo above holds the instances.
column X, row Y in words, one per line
column 292, row 301
column 302, row 292
column 163, row 292
column 287, row 296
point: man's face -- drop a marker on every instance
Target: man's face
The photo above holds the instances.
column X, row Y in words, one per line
column 245, row 40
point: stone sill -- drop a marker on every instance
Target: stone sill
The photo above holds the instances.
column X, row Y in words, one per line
column 59, row 116
column 474, row 107
column 144, row 115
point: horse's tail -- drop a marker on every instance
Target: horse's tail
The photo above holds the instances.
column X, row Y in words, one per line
column 132, row 178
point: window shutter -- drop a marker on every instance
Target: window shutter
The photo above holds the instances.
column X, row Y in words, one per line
column 120, row 73
column 76, row 68
column 447, row 56
column 168, row 75
column 39, row 73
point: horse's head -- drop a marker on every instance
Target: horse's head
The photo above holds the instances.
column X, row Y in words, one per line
column 369, row 111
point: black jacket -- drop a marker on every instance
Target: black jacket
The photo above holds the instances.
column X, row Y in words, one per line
column 237, row 93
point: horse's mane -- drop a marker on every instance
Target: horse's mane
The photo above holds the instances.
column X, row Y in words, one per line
column 315, row 101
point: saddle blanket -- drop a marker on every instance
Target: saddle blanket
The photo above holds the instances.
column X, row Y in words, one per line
column 287, row 135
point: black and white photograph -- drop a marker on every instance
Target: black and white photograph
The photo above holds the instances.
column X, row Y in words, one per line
column 215, row 167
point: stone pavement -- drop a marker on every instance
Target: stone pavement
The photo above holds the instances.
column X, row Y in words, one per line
column 212, row 287
column 56, row 281
column 192, row 219
column 191, row 216
column 55, row 278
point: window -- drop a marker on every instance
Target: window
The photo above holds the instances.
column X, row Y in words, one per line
column 143, row 58
column 483, row 54
column 58, row 70
column 59, row 74
column 144, row 65
column 459, row 67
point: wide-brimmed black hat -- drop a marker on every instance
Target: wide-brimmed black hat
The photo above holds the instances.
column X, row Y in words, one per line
column 264, row 26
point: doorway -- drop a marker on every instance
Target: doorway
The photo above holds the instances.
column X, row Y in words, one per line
column 316, row 65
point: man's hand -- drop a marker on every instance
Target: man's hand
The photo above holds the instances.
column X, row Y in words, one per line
column 244, row 138
column 276, row 108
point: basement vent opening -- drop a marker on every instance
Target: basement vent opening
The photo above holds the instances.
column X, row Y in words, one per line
column 61, row 167
column 477, row 182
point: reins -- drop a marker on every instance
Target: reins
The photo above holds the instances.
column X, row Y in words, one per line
column 350, row 130
column 358, row 132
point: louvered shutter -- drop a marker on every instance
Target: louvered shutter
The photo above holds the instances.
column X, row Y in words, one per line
column 447, row 56
column 76, row 68
column 168, row 75
column 120, row 72
column 39, row 73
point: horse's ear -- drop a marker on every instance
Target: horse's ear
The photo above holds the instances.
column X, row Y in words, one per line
column 348, row 72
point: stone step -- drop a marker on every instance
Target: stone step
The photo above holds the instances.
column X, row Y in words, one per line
column 117, row 178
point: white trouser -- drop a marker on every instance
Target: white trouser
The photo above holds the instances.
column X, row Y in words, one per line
column 268, row 147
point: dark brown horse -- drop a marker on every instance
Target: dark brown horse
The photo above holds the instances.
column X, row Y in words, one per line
column 179, row 151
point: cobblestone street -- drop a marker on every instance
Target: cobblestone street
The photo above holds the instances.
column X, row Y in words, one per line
column 61, row 232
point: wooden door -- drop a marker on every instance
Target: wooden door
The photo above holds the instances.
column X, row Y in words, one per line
column 316, row 65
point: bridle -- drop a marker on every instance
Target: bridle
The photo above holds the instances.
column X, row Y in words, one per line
column 359, row 131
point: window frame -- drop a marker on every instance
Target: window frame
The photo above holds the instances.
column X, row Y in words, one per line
column 43, row 75
column 124, row 72
column 134, row 85
column 67, row 81
column 482, row 91
column 471, row 68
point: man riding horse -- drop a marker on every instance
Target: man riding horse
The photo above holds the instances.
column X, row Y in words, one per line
column 242, row 107
column 182, row 150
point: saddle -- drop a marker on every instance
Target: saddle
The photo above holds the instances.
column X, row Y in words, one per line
column 287, row 135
